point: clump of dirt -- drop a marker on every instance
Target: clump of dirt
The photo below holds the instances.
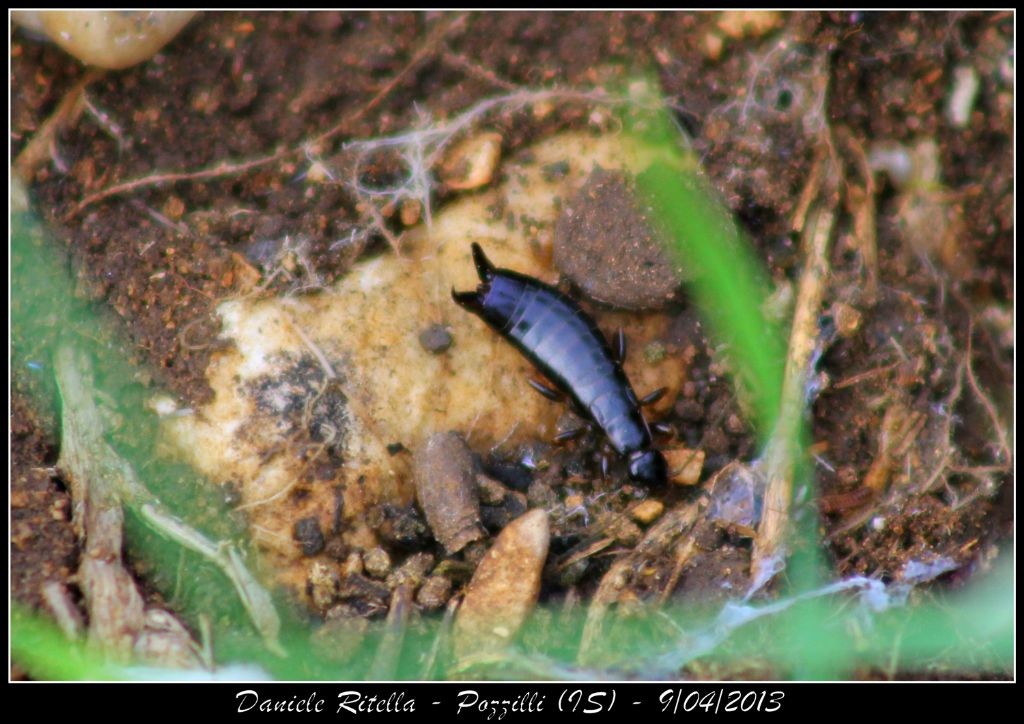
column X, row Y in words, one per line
column 606, row 247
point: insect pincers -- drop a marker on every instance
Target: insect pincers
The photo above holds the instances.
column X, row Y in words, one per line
column 557, row 336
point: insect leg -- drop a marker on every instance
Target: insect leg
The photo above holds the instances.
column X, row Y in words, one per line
column 663, row 428
column 553, row 395
column 569, row 434
column 620, row 346
column 653, row 397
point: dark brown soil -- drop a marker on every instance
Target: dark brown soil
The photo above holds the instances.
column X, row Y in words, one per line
column 241, row 86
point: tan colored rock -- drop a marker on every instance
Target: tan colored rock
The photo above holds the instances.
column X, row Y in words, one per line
column 684, row 465
column 505, row 587
column 647, row 511
column 112, row 39
column 847, row 319
column 470, row 164
column 748, row 23
column 409, row 212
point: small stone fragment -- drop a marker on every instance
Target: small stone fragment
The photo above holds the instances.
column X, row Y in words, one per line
column 496, row 517
column 748, row 23
column 353, row 565
column 713, row 46
column 412, row 571
column 962, row 96
column 399, row 526
column 307, row 534
column 471, row 163
column 504, row 588
column 647, row 511
column 436, row 339
column 574, row 501
column 323, row 584
column 734, row 424
column 434, row 592
column 491, row 491
column 446, row 490
column 108, row 38
column 684, row 466
column 847, row 319
column 409, row 212
column 377, row 562
column 607, row 247
column 737, row 494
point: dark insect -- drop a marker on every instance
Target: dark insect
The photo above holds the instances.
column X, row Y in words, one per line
column 560, row 339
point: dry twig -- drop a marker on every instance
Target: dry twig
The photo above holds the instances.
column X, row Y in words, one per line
column 780, row 455
column 67, row 113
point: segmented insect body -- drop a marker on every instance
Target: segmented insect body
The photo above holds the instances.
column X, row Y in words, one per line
column 560, row 339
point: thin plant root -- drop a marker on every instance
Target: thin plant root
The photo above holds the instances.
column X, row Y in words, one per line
column 67, row 113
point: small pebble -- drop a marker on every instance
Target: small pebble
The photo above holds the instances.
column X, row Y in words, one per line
column 647, row 511
column 377, row 562
column 713, row 46
column 606, row 246
column 715, row 441
column 748, row 23
column 504, row 588
column 434, row 592
column 491, row 491
column 412, row 571
column 736, row 498
column 409, row 212
column 323, row 584
column 111, row 39
column 512, row 474
column 399, row 526
column 684, row 465
column 436, row 339
column 847, row 319
column 353, row 565
column 734, row 425
column 513, row 505
column 307, row 534
column 471, row 163
column 962, row 96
